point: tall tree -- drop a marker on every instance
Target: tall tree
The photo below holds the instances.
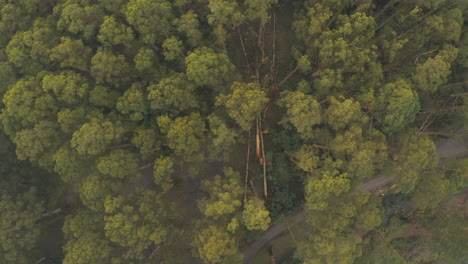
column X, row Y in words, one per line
column 244, row 103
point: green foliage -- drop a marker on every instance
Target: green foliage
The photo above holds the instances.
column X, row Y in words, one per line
column 114, row 33
column 174, row 93
column 224, row 136
column 18, row 230
column 94, row 190
column 72, row 53
column 327, row 183
column 146, row 140
column 103, row 96
column 207, row 67
column 259, row 9
column 85, row 243
column 396, row 106
column 225, row 194
column 30, row 50
column 79, row 17
column 118, row 163
column 133, row 102
column 152, row 19
column 256, row 216
column 184, row 134
column 215, row 245
column 435, row 71
column 107, row 67
column 138, row 221
column 189, row 24
column 244, row 103
column 94, row 137
column 69, row 164
column 68, row 86
column 144, row 59
column 163, row 169
column 106, row 92
column 224, row 13
column 343, row 112
column 173, row 49
column 303, row 111
column 417, row 152
column 39, row 143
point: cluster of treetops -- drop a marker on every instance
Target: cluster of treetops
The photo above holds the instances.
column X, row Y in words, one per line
column 159, row 131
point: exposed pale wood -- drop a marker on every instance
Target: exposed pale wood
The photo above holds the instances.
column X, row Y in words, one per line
column 247, row 169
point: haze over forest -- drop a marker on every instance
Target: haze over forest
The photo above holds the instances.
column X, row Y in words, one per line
column 233, row 131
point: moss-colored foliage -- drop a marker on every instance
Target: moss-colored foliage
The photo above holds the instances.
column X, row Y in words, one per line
column 163, row 170
column 225, row 194
column 207, row 67
column 256, row 216
column 72, row 53
column 138, row 221
column 18, row 230
column 152, row 19
column 103, row 96
column 303, row 111
column 184, row 135
column 30, row 50
column 174, row 93
column 173, row 49
column 435, row 71
column 417, row 152
column 69, row 164
column 146, row 140
column 332, row 238
column 68, row 86
column 224, row 136
column 215, row 245
column 26, row 104
column 133, row 102
column 109, row 67
column 39, row 143
column 71, row 119
column 94, row 137
column 80, row 17
column 119, row 163
column 189, row 24
column 323, row 184
column 244, row 103
column 396, row 106
column 259, row 9
column 112, row 32
column 144, row 59
column 85, row 241
column 95, row 188
column 343, row 112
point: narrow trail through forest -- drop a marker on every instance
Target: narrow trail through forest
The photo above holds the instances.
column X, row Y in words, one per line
column 450, row 148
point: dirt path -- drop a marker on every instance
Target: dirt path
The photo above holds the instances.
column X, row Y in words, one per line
column 452, row 148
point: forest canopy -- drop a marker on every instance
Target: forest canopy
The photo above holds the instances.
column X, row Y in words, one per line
column 157, row 131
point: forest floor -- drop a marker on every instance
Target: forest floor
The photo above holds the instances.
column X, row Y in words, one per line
column 451, row 148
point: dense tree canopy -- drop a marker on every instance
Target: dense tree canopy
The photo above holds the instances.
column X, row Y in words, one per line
column 157, row 131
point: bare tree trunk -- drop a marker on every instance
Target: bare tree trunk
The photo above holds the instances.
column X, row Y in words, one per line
column 387, row 6
column 443, row 133
column 265, row 183
column 247, row 169
column 288, row 76
column 53, row 212
column 249, row 70
column 40, row 260
column 442, row 109
column 390, row 246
